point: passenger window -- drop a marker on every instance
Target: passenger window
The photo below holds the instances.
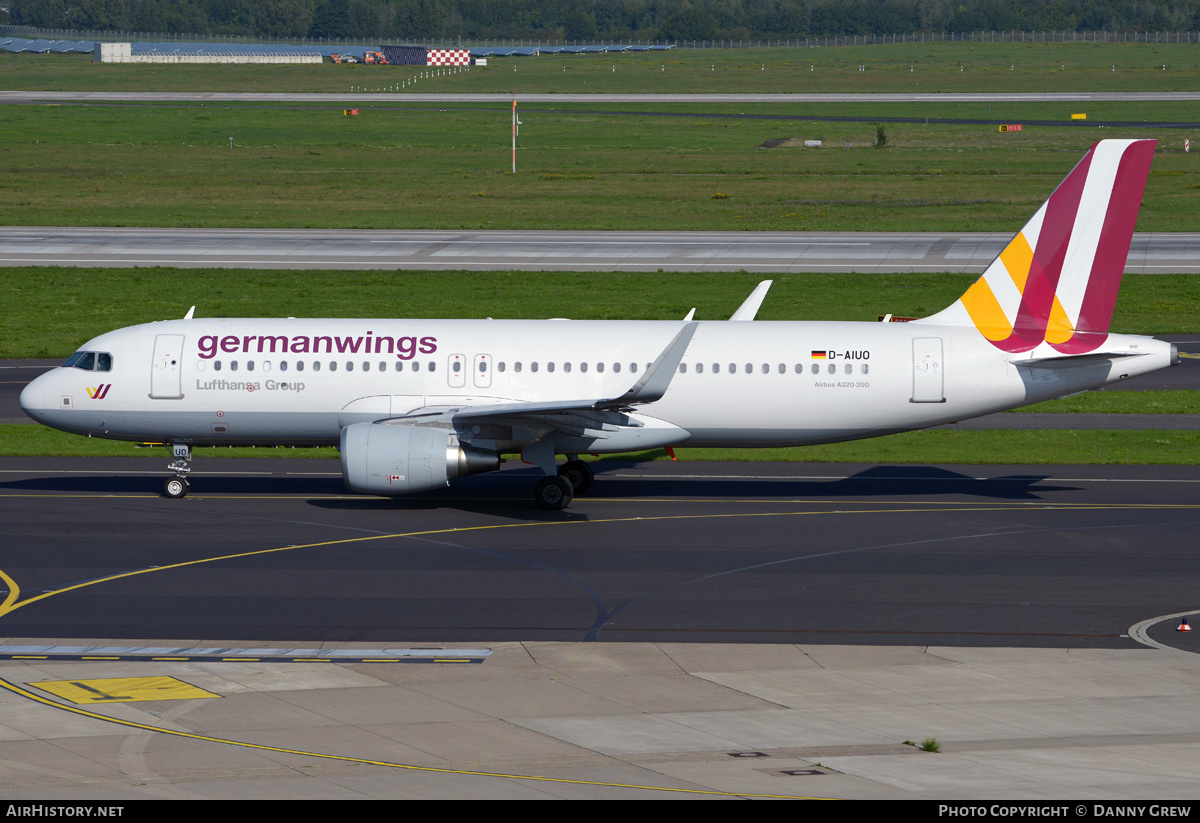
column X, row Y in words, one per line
column 333, row 365
column 517, row 366
column 533, row 366
column 799, row 368
column 283, row 365
column 699, row 368
column 366, row 365
column 849, row 368
column 816, row 368
column 766, row 368
column 382, row 366
column 349, row 365
column 399, row 365
column 866, row 368
column 716, row 368
column 683, row 368
column 583, row 366
column 749, row 368
column 549, row 366
column 633, row 367
column 782, row 369
column 432, row 366
column 832, row 368
column 567, row 366
column 249, row 365
column 500, row 365
column 733, row 368
column 216, row 365
column 299, row 365
column 483, row 366
column 599, row 367
column 457, row 367
column 617, row 367
column 316, row 365
column 233, row 365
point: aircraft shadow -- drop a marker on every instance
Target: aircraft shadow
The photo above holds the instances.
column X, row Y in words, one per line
column 509, row 493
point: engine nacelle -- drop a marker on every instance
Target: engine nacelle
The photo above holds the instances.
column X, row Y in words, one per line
column 380, row 458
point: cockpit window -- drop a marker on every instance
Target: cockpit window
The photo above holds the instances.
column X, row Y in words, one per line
column 85, row 360
column 90, row 361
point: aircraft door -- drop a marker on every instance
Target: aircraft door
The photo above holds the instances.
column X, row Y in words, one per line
column 165, row 373
column 928, row 383
column 482, row 371
column 456, row 371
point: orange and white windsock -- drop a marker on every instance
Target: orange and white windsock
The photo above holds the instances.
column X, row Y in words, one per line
column 1056, row 282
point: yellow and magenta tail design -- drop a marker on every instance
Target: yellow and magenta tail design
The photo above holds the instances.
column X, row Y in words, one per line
column 1057, row 280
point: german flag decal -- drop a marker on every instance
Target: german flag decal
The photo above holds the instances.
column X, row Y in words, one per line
column 818, row 355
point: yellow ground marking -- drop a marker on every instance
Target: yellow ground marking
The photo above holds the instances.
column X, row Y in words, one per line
column 123, row 690
column 12, row 603
column 15, row 689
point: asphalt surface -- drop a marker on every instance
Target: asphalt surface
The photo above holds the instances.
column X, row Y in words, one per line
column 1154, row 253
column 748, row 553
column 686, row 630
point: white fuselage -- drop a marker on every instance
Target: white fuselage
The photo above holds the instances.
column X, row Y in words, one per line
column 298, row 381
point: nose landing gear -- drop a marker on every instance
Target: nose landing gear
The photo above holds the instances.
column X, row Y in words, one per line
column 178, row 485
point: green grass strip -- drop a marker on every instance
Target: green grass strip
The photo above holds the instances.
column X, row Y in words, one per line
column 1163, row 447
column 63, row 308
column 1123, row 402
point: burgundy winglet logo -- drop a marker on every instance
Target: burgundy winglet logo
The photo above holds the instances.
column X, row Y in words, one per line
column 99, row 392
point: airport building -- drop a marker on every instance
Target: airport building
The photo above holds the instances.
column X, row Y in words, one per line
column 208, row 53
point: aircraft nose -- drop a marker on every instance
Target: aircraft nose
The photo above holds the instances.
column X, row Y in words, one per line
column 33, row 396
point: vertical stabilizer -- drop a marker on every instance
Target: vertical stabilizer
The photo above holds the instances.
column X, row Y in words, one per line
column 1056, row 282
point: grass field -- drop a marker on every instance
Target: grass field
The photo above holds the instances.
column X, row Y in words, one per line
column 925, row 447
column 61, row 308
column 427, row 167
column 912, row 67
column 423, row 165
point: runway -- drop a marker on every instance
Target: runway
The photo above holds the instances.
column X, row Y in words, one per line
column 767, row 252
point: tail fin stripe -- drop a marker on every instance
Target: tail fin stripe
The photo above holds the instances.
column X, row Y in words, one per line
column 1016, row 259
column 1057, row 280
column 1049, row 254
column 1113, row 249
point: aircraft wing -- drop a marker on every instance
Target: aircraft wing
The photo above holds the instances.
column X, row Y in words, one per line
column 750, row 306
column 651, row 387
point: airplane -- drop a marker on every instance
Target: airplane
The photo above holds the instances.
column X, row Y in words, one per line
column 413, row 403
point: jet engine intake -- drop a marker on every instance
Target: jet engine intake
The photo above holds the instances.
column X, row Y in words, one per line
column 389, row 459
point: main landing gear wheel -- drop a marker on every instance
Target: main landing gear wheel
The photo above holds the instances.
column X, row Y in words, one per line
column 553, row 493
column 578, row 474
column 175, row 487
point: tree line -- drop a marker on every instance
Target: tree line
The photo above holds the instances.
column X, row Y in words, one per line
column 600, row 20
